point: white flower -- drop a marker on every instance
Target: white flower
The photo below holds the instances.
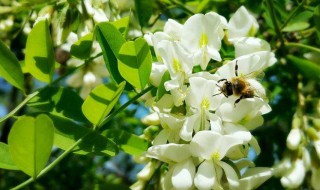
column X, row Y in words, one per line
column 158, row 69
column 241, row 24
column 213, row 147
column 254, row 177
column 176, row 60
column 295, row 176
column 202, row 35
column 294, row 139
column 182, row 169
column 249, row 45
column 171, row 125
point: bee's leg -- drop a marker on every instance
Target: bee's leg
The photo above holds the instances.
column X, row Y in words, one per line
column 217, row 94
column 236, row 68
column 238, row 100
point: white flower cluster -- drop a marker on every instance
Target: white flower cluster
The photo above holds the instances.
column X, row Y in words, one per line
column 303, row 155
column 206, row 117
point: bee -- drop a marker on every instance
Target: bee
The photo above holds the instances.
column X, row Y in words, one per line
column 237, row 86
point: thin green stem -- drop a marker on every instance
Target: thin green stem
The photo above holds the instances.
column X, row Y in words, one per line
column 102, row 125
column 52, row 165
column 293, row 13
column 274, row 21
column 26, row 100
column 303, row 46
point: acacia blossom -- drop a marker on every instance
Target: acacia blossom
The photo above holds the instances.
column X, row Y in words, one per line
column 205, row 136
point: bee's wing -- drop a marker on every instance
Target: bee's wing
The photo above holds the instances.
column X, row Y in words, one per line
column 258, row 89
column 258, row 75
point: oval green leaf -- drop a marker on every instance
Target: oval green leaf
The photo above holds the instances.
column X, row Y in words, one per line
column 100, row 101
column 30, row 142
column 128, row 142
column 10, row 68
column 110, row 40
column 39, row 60
column 144, row 11
column 68, row 132
column 59, row 101
column 135, row 62
column 5, row 158
column 82, row 48
column 305, row 67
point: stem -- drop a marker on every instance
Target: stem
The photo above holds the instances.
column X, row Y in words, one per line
column 290, row 44
column 274, row 21
column 52, row 165
column 26, row 100
column 293, row 14
column 102, row 125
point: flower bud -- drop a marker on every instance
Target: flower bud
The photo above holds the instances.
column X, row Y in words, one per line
column 146, row 173
column 150, row 132
column 151, row 119
column 294, row 139
column 295, row 176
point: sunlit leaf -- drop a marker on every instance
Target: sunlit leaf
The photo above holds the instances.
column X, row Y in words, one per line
column 68, row 132
column 30, row 142
column 144, row 11
column 39, row 60
column 82, row 48
column 129, row 143
column 297, row 26
column 110, row 40
column 161, row 89
column 100, row 101
column 305, row 67
column 10, row 68
column 59, row 101
column 122, row 25
column 5, row 158
column 135, row 62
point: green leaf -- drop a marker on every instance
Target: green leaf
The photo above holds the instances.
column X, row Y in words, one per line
column 296, row 26
column 5, row 158
column 135, row 62
column 100, row 101
column 122, row 25
column 129, row 143
column 10, row 68
column 30, row 142
column 110, row 40
column 144, row 11
column 316, row 18
column 305, row 67
column 39, row 52
column 59, row 101
column 68, row 132
column 161, row 89
column 82, row 48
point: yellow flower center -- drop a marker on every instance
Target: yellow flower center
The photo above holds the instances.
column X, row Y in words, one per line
column 176, row 65
column 205, row 103
column 215, row 156
column 203, row 40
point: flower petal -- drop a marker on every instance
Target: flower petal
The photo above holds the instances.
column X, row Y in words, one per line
column 205, row 177
column 250, row 45
column 183, row 174
column 169, row 152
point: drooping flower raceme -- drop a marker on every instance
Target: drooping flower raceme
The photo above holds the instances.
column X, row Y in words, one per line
column 206, row 116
